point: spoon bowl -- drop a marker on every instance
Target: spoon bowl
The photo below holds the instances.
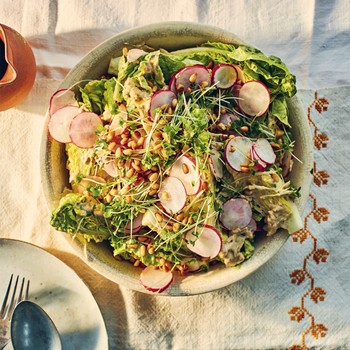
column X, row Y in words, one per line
column 32, row 328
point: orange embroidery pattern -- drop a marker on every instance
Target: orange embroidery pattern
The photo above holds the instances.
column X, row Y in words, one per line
column 318, row 255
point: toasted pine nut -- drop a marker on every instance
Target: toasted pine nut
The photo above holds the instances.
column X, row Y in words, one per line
column 140, row 141
column 113, row 192
column 244, row 128
column 279, row 133
column 179, row 87
column 193, row 78
column 176, row 227
column 275, row 145
column 109, row 198
column 124, row 141
column 118, row 152
column 132, row 246
column 143, row 250
column 130, row 172
column 180, row 217
column 127, row 152
column 135, row 166
column 137, row 263
column 151, row 250
column 153, row 177
column 129, row 199
column 153, row 192
column 125, row 51
column 142, row 238
column 159, row 217
column 203, row 84
column 154, row 88
column 174, row 103
column 244, row 169
column 185, row 168
column 155, row 186
column 111, row 146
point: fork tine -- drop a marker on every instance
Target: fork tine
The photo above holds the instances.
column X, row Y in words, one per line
column 13, row 301
column 4, row 303
column 26, row 295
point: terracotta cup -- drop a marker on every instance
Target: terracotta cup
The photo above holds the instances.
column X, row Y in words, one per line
column 17, row 68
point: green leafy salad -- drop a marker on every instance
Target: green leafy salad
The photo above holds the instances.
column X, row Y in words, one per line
column 178, row 159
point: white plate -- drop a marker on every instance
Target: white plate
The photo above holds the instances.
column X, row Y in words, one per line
column 58, row 290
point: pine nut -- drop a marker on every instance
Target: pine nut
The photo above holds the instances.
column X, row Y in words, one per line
column 129, row 199
column 140, row 141
column 176, row 227
column 109, row 198
column 155, row 186
column 153, row 177
column 125, row 51
column 155, row 88
column 153, row 192
column 118, row 152
column 143, row 250
column 180, row 217
column 127, row 152
column 151, row 250
column 279, row 133
column 159, row 217
column 132, row 246
column 124, row 141
column 174, row 103
column 130, row 173
column 244, row 169
column 179, row 87
column 185, row 168
column 244, row 128
column 137, row 263
column 113, row 192
column 142, row 239
column 111, row 146
column 193, row 78
column 135, row 166
column 203, row 84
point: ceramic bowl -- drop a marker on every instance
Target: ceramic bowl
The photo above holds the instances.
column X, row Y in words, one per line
column 170, row 36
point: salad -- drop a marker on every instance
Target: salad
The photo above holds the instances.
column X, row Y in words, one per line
column 179, row 160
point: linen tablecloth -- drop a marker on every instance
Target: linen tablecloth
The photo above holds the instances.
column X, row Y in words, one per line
column 300, row 298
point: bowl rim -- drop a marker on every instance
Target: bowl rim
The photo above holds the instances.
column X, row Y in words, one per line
column 194, row 34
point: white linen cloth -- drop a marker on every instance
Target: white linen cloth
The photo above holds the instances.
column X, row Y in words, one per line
column 313, row 39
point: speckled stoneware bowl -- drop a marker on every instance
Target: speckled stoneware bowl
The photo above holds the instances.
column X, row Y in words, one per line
column 170, row 36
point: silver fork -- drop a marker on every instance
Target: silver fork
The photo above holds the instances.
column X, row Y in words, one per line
column 8, row 305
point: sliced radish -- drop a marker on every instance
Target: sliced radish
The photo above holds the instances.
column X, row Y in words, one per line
column 135, row 54
column 224, row 75
column 197, row 75
column 216, row 164
column 207, row 243
column 237, row 152
column 186, row 171
column 60, row 121
column 172, row 195
column 83, row 129
column 264, row 151
column 134, row 225
column 236, row 213
column 172, row 84
column 254, row 98
column 111, row 168
column 228, row 118
column 163, row 99
column 155, row 280
column 62, row 98
column 260, row 165
column 252, row 226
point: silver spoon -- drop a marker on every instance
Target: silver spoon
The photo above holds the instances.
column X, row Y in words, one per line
column 32, row 328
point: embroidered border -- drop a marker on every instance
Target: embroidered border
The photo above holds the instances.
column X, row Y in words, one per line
column 319, row 255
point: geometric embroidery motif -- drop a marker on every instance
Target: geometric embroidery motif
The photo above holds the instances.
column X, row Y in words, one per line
column 317, row 254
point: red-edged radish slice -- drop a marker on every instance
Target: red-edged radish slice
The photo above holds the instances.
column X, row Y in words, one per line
column 172, row 84
column 236, row 213
column 172, row 195
column 237, row 152
column 162, row 98
column 252, row 226
column 240, row 74
column 216, row 164
column 192, row 75
column 111, row 168
column 264, row 151
column 134, row 225
column 207, row 242
column 83, row 129
column 62, row 98
column 135, row 54
column 155, row 280
column 185, row 169
column 260, row 165
column 254, row 98
column 224, row 75
column 60, row 121
column 228, row 118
